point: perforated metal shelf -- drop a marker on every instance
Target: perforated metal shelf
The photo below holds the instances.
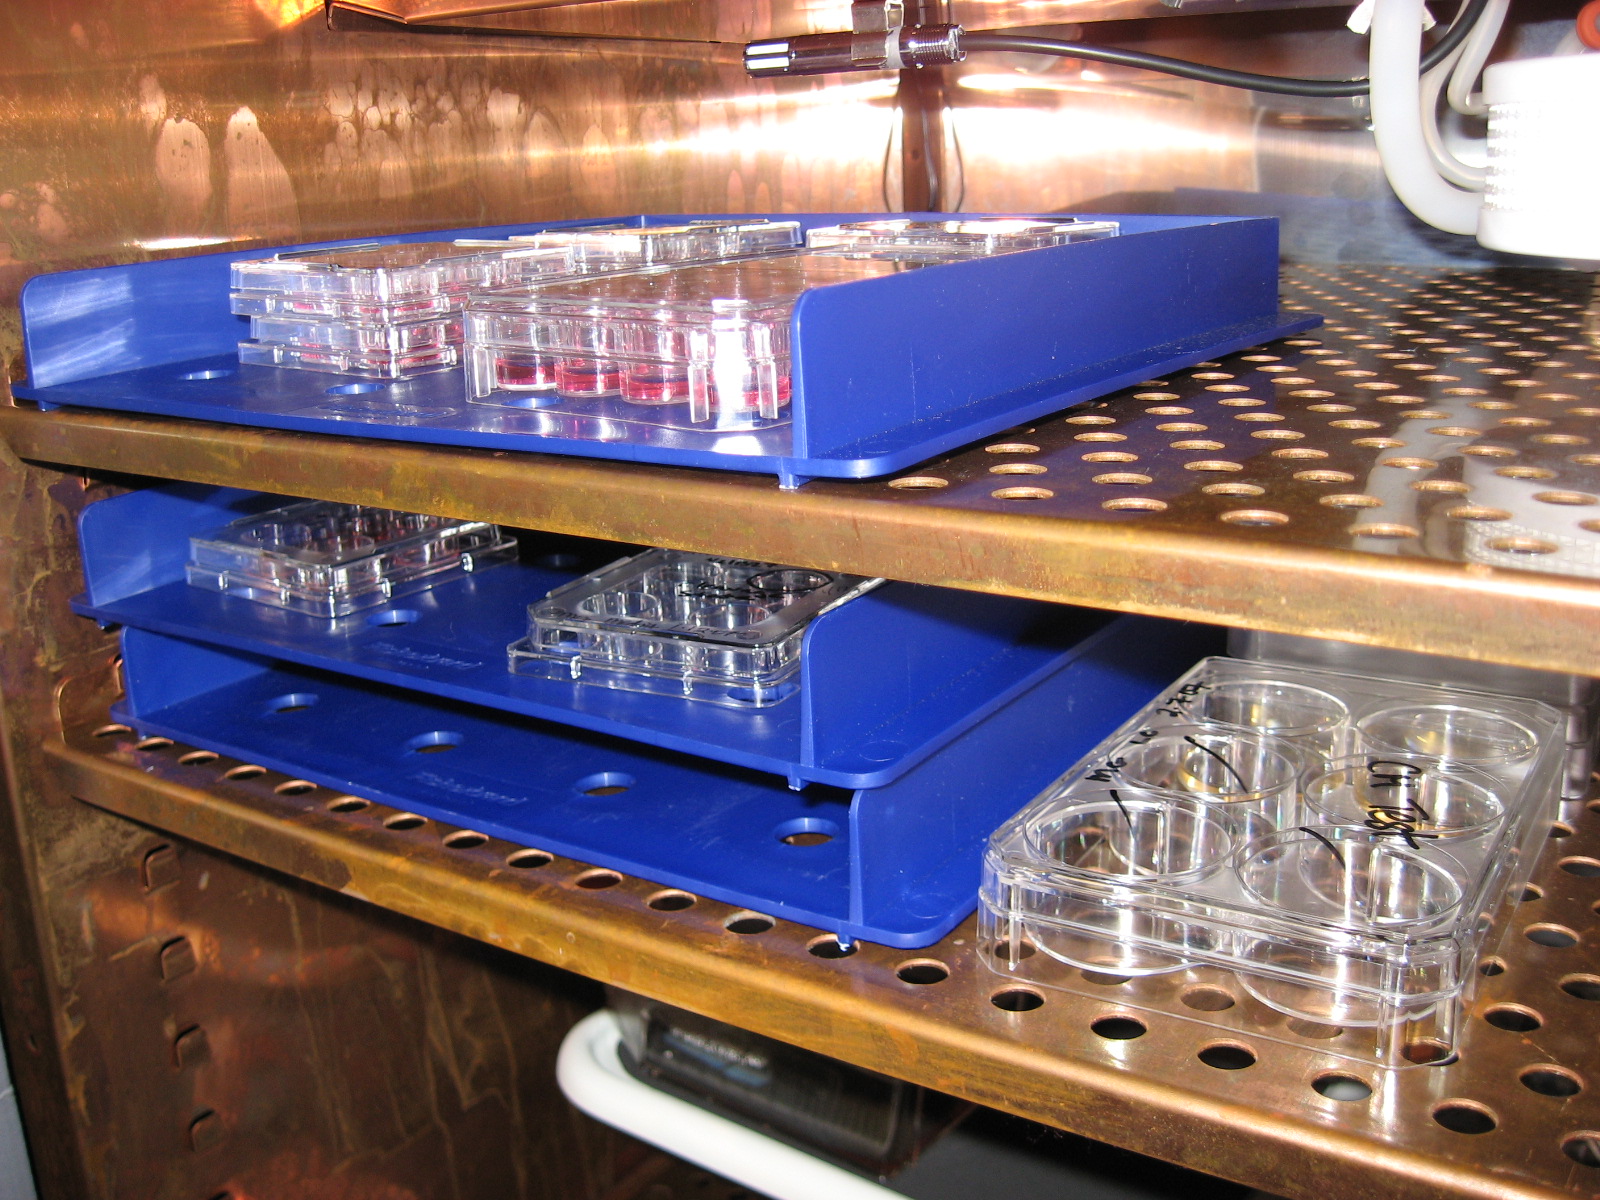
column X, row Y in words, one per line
column 1516, row 1115
column 1423, row 472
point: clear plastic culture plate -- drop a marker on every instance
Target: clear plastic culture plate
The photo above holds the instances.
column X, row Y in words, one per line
column 331, row 559
column 350, row 279
column 707, row 343
column 623, row 249
column 964, row 238
column 1292, row 854
column 375, row 364
column 723, row 630
column 397, row 338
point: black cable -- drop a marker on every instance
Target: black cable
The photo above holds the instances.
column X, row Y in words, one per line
column 980, row 40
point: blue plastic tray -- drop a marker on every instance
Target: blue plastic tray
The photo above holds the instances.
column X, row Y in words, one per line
column 885, row 679
column 901, row 864
column 886, row 372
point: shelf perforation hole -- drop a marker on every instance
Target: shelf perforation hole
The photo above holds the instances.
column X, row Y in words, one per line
column 1134, row 504
column 344, row 805
column 244, row 771
column 1018, row 469
column 400, row 822
column 1120, row 478
column 1347, row 1089
column 465, row 839
column 910, row 483
column 1022, row 493
column 1451, row 487
column 1204, row 444
column 1573, row 499
column 1513, row 1018
column 1522, row 544
column 1546, row 1080
column 1466, row 1116
column 153, row 743
column 295, row 787
column 748, row 924
column 112, row 730
column 1231, row 488
column 1323, row 475
column 529, row 860
column 1582, row 1148
column 1203, row 998
column 1261, row 517
column 1384, row 529
column 1560, row 829
column 672, row 900
column 1557, row 937
column 197, row 758
column 1581, row 866
column 1110, row 456
column 922, row 971
column 1012, row 448
column 1350, row 500
column 1017, row 999
column 597, row 879
column 1118, row 1027
column 1532, row 892
column 1476, row 512
column 829, row 946
column 1227, row 1056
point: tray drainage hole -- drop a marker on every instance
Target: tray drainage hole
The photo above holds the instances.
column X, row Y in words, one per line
column 922, row 971
column 1532, row 892
column 292, row 702
column 198, row 758
column 1556, row 936
column 355, row 389
column 672, row 900
column 1492, row 967
column 436, row 742
column 1341, row 1087
column 1462, row 1116
column 1582, row 1148
column 465, row 839
column 1586, row 868
column 806, row 831
column 1017, row 1000
column 594, row 881
column 1226, row 1056
column 748, row 923
column 604, row 783
column 295, row 787
column 1551, row 1081
column 247, row 771
column 348, row 804
column 528, row 860
column 394, row 616
column 214, row 373
column 1427, row 1052
column 106, row 731
column 1581, row 987
column 1514, row 1018
column 1207, row 999
column 828, row 946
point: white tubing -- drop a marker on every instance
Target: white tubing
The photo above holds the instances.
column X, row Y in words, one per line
column 1462, row 174
column 1474, row 53
column 1397, row 121
column 592, row 1078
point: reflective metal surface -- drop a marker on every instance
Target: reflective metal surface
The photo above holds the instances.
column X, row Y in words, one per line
column 1513, row 1117
column 150, row 129
column 1421, row 473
